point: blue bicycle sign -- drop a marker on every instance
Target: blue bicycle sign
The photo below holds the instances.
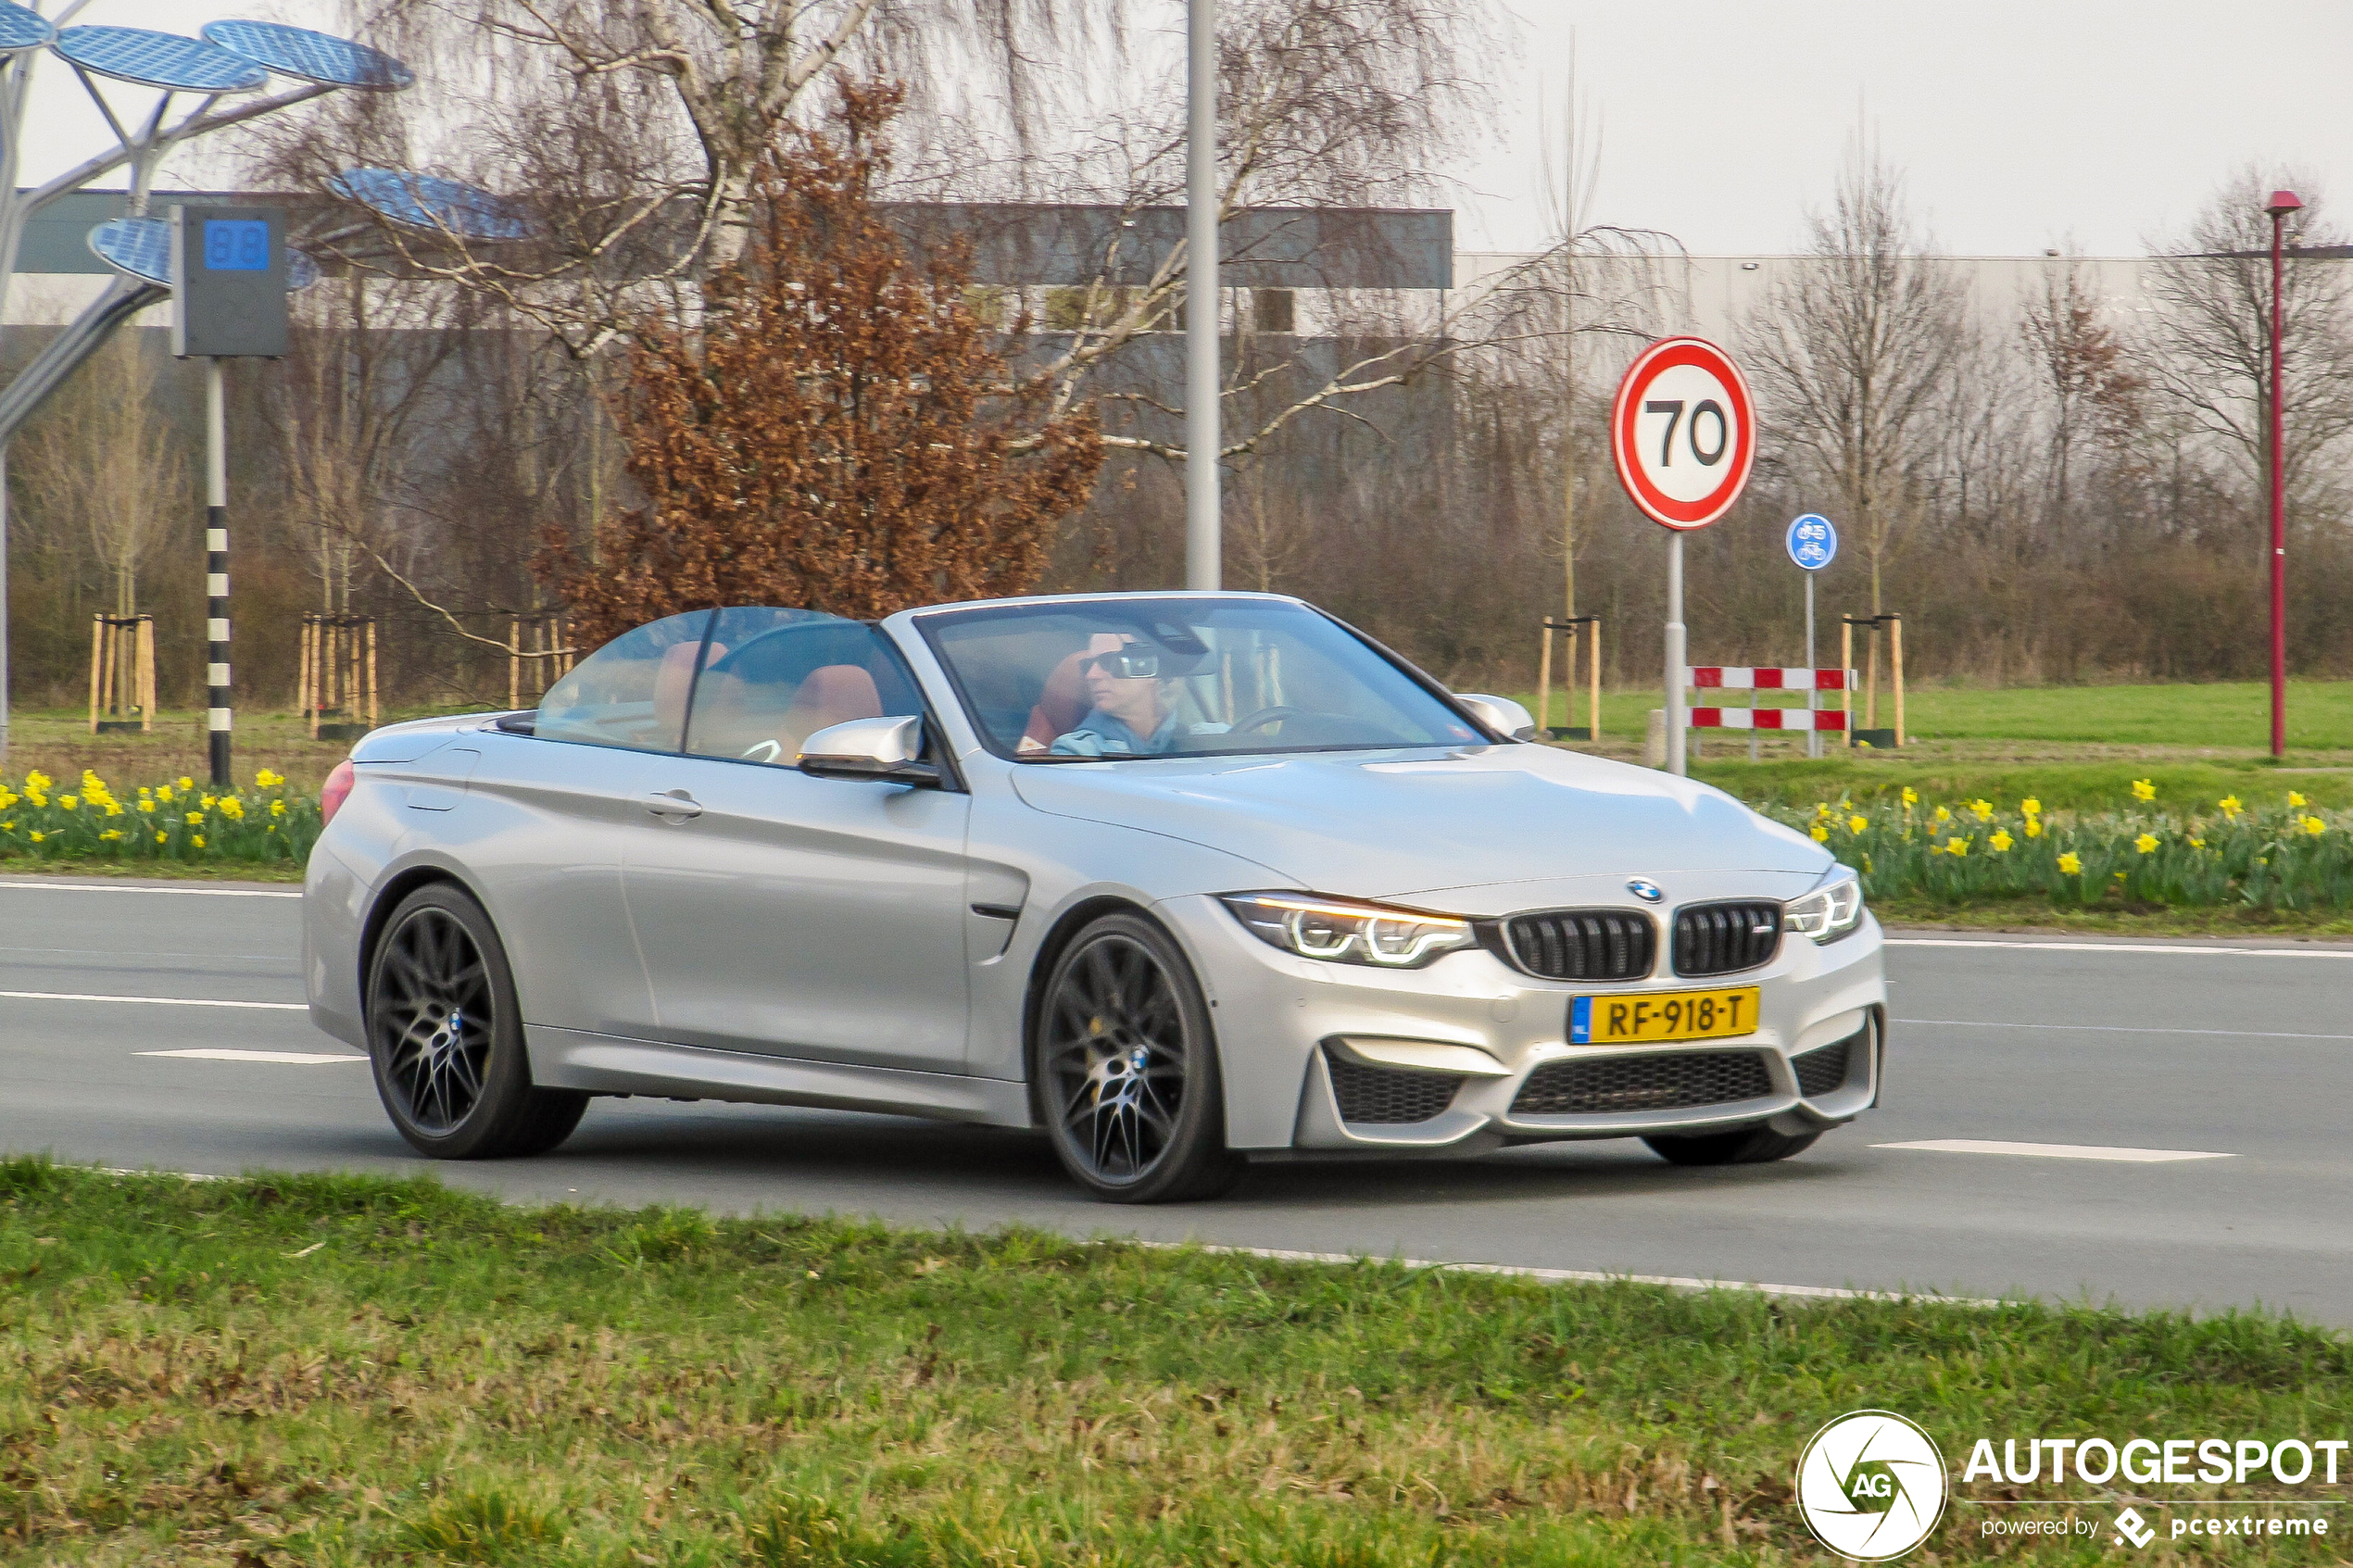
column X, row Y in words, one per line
column 1813, row 541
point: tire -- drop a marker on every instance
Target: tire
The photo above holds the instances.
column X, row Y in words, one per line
column 1126, row 1067
column 462, row 1093
column 1743, row 1146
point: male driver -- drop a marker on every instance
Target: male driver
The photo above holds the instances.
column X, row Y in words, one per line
column 1134, row 713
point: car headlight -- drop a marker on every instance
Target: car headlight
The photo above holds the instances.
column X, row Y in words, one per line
column 1826, row 913
column 1349, row 932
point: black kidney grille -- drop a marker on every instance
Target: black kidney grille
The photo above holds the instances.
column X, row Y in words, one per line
column 1583, row 943
column 1390, row 1093
column 1721, row 939
column 1823, row 1069
column 1665, row 1080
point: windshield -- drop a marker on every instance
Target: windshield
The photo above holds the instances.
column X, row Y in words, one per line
column 1115, row 678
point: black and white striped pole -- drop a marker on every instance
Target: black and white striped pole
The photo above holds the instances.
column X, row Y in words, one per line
column 229, row 273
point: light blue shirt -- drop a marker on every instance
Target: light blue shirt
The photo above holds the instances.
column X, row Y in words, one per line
column 1104, row 735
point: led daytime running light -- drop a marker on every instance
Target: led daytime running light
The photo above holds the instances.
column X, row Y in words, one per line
column 1366, row 933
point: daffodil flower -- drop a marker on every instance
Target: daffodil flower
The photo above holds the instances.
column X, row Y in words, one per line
column 2146, row 844
column 1911, row 795
column 1956, row 846
column 1983, row 808
column 1942, row 815
column 1821, row 835
column 2296, row 799
column 2230, row 805
column 2071, row 863
column 2030, row 806
column 2314, row 826
column 2033, row 828
column 195, row 817
column 2143, row 789
column 196, row 839
column 2000, row 842
column 1856, row 824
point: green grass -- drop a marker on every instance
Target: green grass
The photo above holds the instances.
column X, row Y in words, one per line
column 311, row 1370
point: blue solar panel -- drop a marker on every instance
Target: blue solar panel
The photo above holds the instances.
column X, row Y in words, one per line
column 141, row 246
column 301, row 271
column 312, row 56
column 159, row 60
column 22, row 27
column 421, row 201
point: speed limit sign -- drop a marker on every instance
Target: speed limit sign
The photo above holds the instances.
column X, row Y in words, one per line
column 1683, row 432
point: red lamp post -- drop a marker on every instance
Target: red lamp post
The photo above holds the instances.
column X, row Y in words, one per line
column 2279, row 207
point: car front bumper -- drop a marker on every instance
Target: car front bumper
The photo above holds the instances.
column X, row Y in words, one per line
column 1288, row 1027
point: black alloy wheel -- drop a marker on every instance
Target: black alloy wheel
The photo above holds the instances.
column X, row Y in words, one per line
column 445, row 1038
column 1127, row 1068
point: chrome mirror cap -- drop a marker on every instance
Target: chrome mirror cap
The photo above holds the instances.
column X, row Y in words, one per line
column 1500, row 713
column 870, row 748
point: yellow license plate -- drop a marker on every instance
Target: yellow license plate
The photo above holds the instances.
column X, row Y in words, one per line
column 1662, row 1015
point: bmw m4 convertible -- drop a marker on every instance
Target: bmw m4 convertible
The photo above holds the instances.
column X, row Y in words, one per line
column 1183, row 880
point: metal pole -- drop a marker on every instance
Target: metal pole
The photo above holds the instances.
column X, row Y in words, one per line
column 4, row 600
column 1675, row 653
column 1204, row 543
column 216, row 567
column 1813, row 691
column 2278, row 515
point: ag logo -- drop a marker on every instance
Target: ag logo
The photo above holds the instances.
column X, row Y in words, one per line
column 1871, row 1486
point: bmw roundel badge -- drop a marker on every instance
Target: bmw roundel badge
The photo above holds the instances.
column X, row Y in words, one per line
column 1646, row 890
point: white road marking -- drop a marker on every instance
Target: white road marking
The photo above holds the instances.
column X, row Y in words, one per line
column 293, row 1059
column 2123, row 1029
column 194, row 892
column 1585, row 1276
column 158, row 1001
column 2056, row 1150
column 2175, row 947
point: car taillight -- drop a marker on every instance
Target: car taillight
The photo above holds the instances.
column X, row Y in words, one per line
column 337, row 788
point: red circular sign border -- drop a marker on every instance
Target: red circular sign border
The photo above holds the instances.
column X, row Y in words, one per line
column 1666, row 355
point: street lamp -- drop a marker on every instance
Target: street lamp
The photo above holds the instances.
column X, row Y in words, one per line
column 2279, row 207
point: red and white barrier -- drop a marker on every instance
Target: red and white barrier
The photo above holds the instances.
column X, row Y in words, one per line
column 1745, row 678
column 1764, row 718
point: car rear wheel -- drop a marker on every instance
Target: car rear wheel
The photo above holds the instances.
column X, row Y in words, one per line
column 445, row 1038
column 1126, row 1065
column 1747, row 1145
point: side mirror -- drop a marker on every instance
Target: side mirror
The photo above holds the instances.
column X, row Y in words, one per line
column 887, row 749
column 1500, row 713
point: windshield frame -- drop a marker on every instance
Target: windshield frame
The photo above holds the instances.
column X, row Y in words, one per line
column 925, row 622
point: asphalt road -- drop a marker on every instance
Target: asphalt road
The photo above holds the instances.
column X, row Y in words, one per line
column 2118, row 1049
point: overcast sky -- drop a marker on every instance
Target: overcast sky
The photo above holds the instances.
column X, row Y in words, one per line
column 2019, row 123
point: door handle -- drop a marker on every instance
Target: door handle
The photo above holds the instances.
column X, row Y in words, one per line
column 677, row 805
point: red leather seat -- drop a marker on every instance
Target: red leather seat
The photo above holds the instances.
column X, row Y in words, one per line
column 1062, row 704
column 833, row 694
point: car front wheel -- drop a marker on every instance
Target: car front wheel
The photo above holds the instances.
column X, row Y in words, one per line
column 445, row 1038
column 1126, row 1065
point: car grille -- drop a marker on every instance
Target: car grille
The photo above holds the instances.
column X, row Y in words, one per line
column 1388, row 1095
column 1582, row 944
column 1664, row 1080
column 1823, row 1069
column 1721, row 939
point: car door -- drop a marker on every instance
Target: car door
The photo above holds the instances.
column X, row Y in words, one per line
column 820, row 918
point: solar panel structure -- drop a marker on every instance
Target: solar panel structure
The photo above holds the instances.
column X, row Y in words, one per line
column 311, row 57
column 141, row 246
column 22, row 27
column 424, row 201
column 159, row 60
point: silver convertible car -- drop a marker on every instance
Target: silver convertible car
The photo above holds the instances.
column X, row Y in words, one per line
column 1183, row 880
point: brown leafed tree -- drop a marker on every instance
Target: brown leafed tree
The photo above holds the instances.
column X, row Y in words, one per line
column 834, row 432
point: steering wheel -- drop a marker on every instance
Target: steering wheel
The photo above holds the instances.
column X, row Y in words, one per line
column 1265, row 716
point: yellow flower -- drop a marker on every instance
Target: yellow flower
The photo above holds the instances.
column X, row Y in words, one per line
column 146, row 805
column 111, row 832
column 2230, row 805
column 37, row 780
column 233, row 808
column 2031, row 806
column 277, row 808
column 2033, row 828
column 69, row 801
column 2314, row 826
column 1821, row 833
column 33, row 796
column 113, row 810
column 2296, row 799
column 1822, row 807
column 2197, row 844
column 186, row 783
column 2071, row 863
column 2143, row 789
column 165, row 795
column 161, row 836
column 1984, row 809
column 267, row 780
column 1911, row 795
column 195, row 817
column 2145, row 843
column 6, row 799
column 1956, row 846
column 2000, row 842
column 39, row 836
column 1856, row 824
column 208, row 801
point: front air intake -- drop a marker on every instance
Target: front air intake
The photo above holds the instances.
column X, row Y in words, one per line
column 1388, row 1095
column 1624, row 1085
column 1726, row 938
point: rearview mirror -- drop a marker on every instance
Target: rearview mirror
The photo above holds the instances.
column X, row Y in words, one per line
column 1499, row 714
column 870, row 748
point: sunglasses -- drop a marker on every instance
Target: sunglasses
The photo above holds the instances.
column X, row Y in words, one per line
column 1127, row 664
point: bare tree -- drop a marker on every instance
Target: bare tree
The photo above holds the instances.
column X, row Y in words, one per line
column 1852, row 351
column 2094, row 396
column 105, row 466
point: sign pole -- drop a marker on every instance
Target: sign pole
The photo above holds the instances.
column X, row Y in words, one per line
column 1204, row 544
column 1813, row 691
column 1675, row 760
column 216, row 567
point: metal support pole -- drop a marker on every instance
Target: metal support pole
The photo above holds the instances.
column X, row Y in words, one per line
column 1675, row 654
column 1204, row 543
column 1814, row 692
column 2279, row 514
column 216, row 567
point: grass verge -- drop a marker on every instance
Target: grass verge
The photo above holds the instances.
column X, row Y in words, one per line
column 2060, row 786
column 287, row 872
column 332, row 1370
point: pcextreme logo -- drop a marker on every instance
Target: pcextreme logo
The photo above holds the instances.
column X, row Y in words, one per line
column 1870, row 1486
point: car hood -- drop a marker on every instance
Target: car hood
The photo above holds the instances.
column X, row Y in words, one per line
column 1391, row 824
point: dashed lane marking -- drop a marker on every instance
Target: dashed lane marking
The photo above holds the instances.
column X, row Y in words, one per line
column 2056, row 1150
column 177, row 892
column 2174, row 948
column 152, row 1001
column 2123, row 1029
column 291, row 1058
